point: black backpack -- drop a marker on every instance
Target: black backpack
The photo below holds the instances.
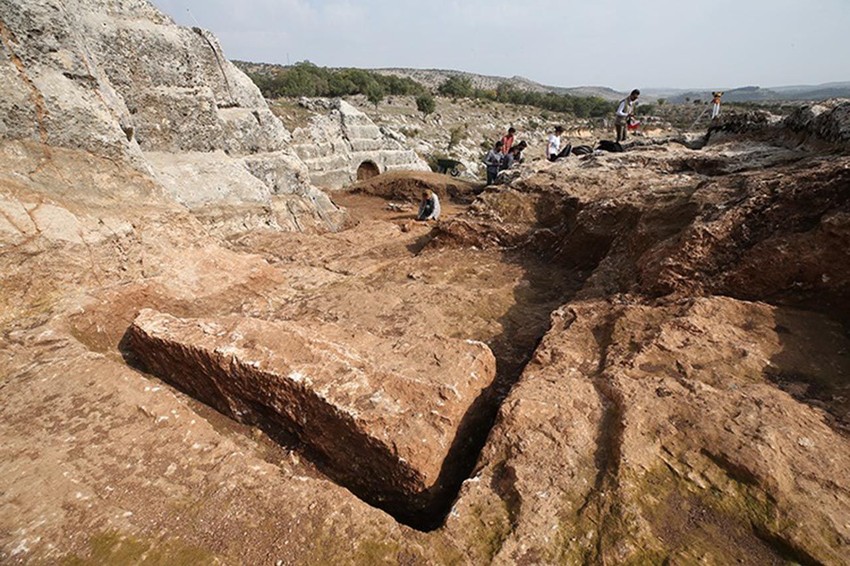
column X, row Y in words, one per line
column 582, row 150
column 608, row 145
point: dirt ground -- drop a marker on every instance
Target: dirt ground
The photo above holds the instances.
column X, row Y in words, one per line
column 383, row 275
column 640, row 428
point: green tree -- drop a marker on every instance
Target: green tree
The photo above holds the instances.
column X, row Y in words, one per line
column 375, row 94
column 425, row 104
column 457, row 87
column 647, row 108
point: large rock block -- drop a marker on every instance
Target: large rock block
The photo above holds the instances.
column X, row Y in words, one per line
column 120, row 79
column 383, row 418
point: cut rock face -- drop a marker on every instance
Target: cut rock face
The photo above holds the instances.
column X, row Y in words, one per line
column 384, row 418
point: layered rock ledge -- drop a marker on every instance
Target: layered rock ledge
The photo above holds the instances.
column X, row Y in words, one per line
column 385, row 419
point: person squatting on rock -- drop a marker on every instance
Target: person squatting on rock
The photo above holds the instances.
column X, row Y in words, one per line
column 553, row 147
column 508, row 140
column 715, row 104
column 429, row 208
column 513, row 156
column 625, row 112
column 493, row 161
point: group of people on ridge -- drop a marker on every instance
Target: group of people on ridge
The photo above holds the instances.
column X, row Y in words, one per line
column 503, row 155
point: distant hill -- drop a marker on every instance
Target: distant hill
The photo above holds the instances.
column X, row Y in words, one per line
column 818, row 92
column 773, row 94
column 744, row 94
column 602, row 92
column 433, row 78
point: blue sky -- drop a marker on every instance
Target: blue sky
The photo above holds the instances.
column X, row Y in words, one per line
column 651, row 43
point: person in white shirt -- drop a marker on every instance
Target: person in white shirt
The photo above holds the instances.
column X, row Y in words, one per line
column 553, row 147
column 715, row 104
column 429, row 208
column 625, row 111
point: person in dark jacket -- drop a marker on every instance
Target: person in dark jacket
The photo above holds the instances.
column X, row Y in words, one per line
column 493, row 161
column 513, row 156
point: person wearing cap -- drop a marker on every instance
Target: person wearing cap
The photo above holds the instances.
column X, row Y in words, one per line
column 625, row 112
column 553, row 147
column 493, row 161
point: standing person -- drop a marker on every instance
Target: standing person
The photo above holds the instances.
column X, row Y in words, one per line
column 493, row 161
column 625, row 111
column 429, row 208
column 715, row 104
column 508, row 140
column 553, row 146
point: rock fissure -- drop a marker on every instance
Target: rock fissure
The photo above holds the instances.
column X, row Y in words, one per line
column 203, row 34
column 36, row 96
column 359, row 437
column 686, row 401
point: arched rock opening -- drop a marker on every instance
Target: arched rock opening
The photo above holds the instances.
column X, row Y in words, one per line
column 367, row 170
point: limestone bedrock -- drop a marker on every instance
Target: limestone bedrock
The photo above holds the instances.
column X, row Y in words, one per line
column 381, row 416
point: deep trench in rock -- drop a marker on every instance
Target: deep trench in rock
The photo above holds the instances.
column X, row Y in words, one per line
column 502, row 298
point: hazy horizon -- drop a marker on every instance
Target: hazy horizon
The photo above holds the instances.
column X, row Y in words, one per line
column 564, row 44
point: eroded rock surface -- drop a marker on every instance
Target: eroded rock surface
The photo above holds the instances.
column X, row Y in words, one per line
column 120, row 79
column 669, row 328
column 653, row 432
column 381, row 416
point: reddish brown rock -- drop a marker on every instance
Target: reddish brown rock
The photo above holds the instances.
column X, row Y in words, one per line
column 645, row 433
column 648, row 428
column 381, row 417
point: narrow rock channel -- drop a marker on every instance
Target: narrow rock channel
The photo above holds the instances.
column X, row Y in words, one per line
column 378, row 367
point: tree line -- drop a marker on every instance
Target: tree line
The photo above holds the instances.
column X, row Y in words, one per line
column 308, row 79
column 581, row 106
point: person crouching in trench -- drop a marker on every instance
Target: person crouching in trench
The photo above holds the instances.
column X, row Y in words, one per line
column 429, row 208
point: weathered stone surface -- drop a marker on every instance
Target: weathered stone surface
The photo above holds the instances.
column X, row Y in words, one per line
column 341, row 138
column 381, row 416
column 234, row 195
column 827, row 122
column 658, row 421
column 122, row 80
column 643, row 432
column 743, row 219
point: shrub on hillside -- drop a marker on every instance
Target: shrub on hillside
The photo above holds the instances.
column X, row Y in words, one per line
column 456, row 135
column 425, row 104
column 457, row 87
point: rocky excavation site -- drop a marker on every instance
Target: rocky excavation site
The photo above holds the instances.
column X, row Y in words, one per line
column 218, row 346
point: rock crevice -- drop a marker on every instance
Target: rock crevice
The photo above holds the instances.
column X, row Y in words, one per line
column 380, row 418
